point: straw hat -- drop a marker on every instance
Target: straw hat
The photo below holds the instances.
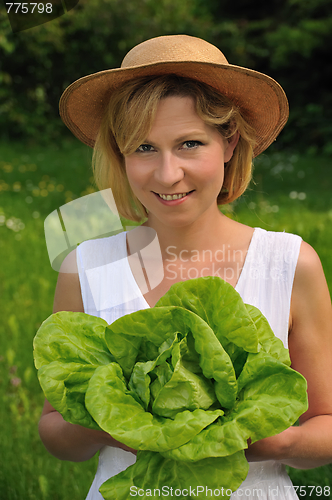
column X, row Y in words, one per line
column 261, row 99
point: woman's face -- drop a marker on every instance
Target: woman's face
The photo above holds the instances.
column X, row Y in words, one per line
column 178, row 171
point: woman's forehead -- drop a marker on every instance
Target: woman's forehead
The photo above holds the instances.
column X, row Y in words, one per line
column 177, row 118
column 176, row 112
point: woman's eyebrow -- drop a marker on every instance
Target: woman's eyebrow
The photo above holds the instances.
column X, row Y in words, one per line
column 190, row 135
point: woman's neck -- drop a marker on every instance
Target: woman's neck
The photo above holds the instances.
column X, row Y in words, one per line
column 197, row 237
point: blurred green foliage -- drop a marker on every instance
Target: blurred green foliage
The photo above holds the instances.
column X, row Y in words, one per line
column 288, row 39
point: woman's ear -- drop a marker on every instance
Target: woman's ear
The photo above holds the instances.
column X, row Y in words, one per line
column 231, row 144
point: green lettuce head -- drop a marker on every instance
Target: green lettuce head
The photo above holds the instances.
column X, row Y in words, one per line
column 187, row 383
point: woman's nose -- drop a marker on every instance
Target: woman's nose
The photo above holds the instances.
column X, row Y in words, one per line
column 169, row 170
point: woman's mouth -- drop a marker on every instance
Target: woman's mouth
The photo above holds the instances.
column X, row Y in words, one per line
column 169, row 197
column 173, row 198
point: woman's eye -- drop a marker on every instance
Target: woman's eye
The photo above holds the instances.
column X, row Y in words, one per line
column 144, row 148
column 191, row 144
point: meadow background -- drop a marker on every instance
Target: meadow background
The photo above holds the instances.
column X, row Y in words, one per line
column 42, row 167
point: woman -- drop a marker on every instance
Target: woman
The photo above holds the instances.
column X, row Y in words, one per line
column 174, row 131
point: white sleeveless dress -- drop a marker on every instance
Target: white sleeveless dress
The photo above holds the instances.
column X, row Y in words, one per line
column 265, row 282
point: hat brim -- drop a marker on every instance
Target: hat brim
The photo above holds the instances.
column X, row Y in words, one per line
column 261, row 99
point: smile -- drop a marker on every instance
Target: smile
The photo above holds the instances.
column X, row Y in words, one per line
column 169, row 197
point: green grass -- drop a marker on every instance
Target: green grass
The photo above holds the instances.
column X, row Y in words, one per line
column 33, row 183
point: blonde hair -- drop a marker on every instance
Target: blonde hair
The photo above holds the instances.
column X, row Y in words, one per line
column 127, row 122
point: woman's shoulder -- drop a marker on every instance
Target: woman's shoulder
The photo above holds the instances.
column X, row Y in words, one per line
column 277, row 235
column 101, row 251
column 102, row 243
column 263, row 235
column 93, row 247
column 309, row 267
column 90, row 254
column 277, row 244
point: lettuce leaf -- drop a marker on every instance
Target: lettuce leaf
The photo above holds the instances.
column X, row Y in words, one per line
column 153, row 471
column 186, row 383
column 110, row 403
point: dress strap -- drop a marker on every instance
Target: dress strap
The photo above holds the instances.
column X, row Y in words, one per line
column 107, row 285
column 267, row 277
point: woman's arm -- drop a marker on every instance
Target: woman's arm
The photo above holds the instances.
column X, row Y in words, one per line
column 72, row 442
column 62, row 439
column 310, row 345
